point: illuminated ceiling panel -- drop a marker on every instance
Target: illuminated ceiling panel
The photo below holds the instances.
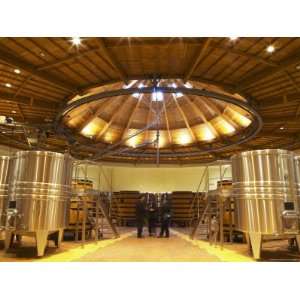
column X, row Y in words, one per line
column 186, row 115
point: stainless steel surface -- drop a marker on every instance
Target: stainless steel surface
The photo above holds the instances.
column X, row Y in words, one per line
column 4, row 170
column 264, row 189
column 297, row 174
column 41, row 187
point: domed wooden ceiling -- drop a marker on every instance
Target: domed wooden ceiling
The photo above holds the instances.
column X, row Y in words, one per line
column 154, row 120
column 39, row 77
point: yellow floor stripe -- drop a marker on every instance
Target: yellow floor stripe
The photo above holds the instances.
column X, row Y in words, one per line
column 224, row 255
column 78, row 252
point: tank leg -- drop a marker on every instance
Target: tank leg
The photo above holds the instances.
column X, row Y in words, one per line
column 41, row 241
column 298, row 241
column 60, row 234
column 247, row 241
column 9, row 236
column 256, row 242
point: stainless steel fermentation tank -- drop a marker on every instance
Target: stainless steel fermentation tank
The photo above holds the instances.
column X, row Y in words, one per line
column 264, row 190
column 41, row 189
column 297, row 172
column 4, row 173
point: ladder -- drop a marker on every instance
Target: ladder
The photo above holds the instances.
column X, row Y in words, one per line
column 216, row 205
column 95, row 217
column 201, row 229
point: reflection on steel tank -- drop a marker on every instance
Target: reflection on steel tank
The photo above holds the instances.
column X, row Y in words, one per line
column 264, row 189
column 41, row 189
column 297, row 172
column 4, row 170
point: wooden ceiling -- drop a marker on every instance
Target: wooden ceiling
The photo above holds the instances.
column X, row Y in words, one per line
column 38, row 76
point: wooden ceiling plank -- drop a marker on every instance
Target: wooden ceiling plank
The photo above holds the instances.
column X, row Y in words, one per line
column 283, row 66
column 221, row 75
column 197, row 59
column 18, row 62
column 113, row 61
column 27, row 101
column 69, row 67
column 138, row 102
column 243, row 54
column 113, row 117
column 185, row 119
column 68, row 59
column 94, row 114
column 292, row 80
column 167, row 123
column 146, row 136
column 202, row 116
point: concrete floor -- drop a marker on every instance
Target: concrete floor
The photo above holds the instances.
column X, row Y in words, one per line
column 178, row 248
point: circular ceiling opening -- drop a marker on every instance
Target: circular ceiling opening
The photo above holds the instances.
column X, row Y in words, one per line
column 157, row 120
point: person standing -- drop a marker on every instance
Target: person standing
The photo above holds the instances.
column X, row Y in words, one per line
column 165, row 217
column 152, row 214
column 140, row 213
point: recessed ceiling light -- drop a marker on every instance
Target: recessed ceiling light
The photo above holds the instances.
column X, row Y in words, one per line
column 76, row 41
column 13, row 111
column 17, row 71
column 8, row 85
column 233, row 38
column 42, row 54
column 281, row 128
column 270, row 49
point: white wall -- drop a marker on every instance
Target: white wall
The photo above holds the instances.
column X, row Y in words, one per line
column 152, row 179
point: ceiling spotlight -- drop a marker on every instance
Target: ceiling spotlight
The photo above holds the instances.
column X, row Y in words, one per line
column 17, row 71
column 76, row 41
column 8, row 85
column 281, row 128
column 270, row 49
column 13, row 111
column 233, row 38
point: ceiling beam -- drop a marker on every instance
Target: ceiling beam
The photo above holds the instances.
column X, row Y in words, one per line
column 68, row 59
column 94, row 114
column 202, row 116
column 28, row 101
column 227, row 87
column 112, row 60
column 15, row 61
column 112, row 118
column 191, row 41
column 279, row 101
column 270, row 71
column 230, row 50
column 138, row 102
column 185, row 119
column 288, row 119
column 196, row 60
column 167, row 123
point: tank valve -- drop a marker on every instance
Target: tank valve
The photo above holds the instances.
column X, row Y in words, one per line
column 11, row 220
column 290, row 220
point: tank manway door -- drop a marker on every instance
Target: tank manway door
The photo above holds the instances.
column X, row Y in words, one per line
column 290, row 218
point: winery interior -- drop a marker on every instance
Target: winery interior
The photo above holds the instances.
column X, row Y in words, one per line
column 99, row 136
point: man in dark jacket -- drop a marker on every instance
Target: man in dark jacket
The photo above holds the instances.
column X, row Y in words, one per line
column 165, row 217
column 152, row 214
column 140, row 213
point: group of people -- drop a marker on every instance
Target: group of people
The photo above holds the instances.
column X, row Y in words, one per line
column 147, row 210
